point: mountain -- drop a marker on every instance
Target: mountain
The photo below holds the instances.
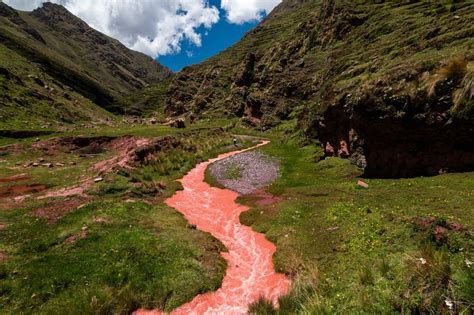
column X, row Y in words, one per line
column 386, row 83
column 54, row 65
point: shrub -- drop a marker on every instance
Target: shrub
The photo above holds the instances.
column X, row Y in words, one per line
column 466, row 92
column 453, row 69
column 262, row 307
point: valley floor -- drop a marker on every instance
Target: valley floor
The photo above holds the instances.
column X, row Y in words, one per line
column 397, row 246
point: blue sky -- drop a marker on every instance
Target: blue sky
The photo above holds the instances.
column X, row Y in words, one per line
column 222, row 35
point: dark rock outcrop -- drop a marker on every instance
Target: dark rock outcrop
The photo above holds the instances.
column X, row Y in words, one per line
column 398, row 147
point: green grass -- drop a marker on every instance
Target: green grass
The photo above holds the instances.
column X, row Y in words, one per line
column 143, row 256
column 356, row 250
column 348, row 250
column 137, row 252
column 233, row 172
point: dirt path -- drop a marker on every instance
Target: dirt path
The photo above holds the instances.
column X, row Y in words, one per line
column 250, row 274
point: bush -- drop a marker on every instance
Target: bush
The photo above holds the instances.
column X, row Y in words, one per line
column 262, row 307
column 453, row 69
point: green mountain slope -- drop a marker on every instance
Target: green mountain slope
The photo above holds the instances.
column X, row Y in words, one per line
column 63, row 69
column 370, row 79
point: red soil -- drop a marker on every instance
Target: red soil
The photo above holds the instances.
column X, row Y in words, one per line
column 250, row 274
column 53, row 212
column 20, row 190
column 3, row 256
column 125, row 148
column 265, row 198
column 15, row 178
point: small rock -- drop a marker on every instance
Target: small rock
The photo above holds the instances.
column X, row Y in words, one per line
column 59, row 164
column 37, row 139
column 85, row 228
column 422, row 260
column 35, row 164
column 98, row 179
column 49, row 165
column 362, row 184
column 41, row 160
column 72, row 163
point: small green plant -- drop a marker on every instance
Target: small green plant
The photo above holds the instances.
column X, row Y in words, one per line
column 366, row 276
column 233, row 172
column 262, row 307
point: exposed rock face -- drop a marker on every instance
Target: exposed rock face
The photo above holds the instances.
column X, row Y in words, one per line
column 399, row 147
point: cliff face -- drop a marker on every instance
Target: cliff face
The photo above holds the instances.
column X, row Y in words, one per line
column 62, row 66
column 388, row 84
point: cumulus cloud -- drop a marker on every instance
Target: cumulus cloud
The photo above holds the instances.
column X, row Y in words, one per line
column 241, row 11
column 152, row 27
column 156, row 27
column 24, row 5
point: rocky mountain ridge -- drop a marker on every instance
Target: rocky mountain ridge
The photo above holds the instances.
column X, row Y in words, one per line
column 64, row 69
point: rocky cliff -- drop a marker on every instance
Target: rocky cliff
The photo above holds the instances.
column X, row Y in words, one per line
column 387, row 83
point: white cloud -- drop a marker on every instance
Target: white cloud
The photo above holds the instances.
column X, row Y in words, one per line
column 153, row 27
column 241, row 11
column 156, row 27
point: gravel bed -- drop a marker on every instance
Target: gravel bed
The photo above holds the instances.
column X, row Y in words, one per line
column 249, row 171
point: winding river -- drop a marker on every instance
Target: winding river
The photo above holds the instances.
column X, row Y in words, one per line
column 250, row 274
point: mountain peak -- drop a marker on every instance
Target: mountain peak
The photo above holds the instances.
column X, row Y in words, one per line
column 6, row 10
column 55, row 15
column 52, row 7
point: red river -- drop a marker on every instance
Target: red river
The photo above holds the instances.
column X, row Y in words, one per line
column 250, row 274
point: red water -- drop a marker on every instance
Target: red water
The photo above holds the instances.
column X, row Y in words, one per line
column 250, row 274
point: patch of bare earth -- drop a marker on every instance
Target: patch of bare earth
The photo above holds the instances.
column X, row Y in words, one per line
column 12, row 195
column 75, row 237
column 3, row 256
column 263, row 198
column 100, row 220
column 21, row 190
column 55, row 211
column 15, row 178
column 123, row 146
column 129, row 152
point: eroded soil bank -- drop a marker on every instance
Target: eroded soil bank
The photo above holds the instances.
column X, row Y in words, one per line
column 250, row 274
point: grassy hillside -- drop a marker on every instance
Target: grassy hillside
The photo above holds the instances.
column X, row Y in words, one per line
column 309, row 52
column 56, row 69
column 386, row 83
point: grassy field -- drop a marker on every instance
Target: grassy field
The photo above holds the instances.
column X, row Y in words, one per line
column 398, row 246
column 115, row 251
